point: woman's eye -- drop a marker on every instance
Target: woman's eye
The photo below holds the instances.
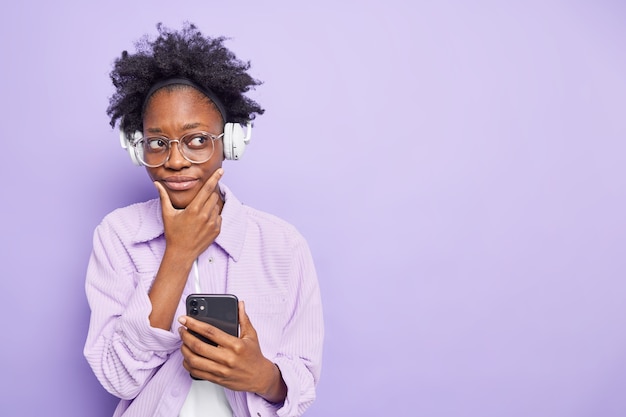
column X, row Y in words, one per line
column 197, row 141
column 156, row 144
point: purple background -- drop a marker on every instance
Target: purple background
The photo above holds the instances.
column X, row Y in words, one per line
column 458, row 168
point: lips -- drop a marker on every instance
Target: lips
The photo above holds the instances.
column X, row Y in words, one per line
column 179, row 183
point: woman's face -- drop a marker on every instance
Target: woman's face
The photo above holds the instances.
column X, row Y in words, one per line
column 172, row 114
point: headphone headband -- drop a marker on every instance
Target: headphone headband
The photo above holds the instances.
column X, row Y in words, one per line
column 184, row 81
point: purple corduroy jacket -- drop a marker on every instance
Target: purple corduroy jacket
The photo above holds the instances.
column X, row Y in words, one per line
column 258, row 257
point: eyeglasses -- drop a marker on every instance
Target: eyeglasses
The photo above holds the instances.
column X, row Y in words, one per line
column 195, row 147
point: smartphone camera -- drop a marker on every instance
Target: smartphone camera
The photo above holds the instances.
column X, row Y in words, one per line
column 194, row 311
column 194, row 307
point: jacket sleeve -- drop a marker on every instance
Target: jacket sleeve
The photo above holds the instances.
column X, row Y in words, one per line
column 122, row 348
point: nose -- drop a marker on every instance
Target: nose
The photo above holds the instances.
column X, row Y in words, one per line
column 176, row 160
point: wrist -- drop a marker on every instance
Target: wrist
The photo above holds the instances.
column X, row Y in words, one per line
column 180, row 258
column 275, row 388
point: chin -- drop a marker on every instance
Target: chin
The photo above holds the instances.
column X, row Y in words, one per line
column 180, row 202
column 180, row 205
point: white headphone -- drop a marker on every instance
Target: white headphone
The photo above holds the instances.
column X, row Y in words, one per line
column 127, row 143
column 235, row 140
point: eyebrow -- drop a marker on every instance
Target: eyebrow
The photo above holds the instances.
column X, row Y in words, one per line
column 187, row 126
column 191, row 125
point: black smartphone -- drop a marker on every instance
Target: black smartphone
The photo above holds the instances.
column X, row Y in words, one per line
column 219, row 310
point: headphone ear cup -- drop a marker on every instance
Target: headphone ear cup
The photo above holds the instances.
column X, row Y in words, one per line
column 234, row 140
column 126, row 143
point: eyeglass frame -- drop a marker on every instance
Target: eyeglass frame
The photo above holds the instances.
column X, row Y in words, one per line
column 169, row 141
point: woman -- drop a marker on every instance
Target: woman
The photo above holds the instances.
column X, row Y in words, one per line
column 180, row 105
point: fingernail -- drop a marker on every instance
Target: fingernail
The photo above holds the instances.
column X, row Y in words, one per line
column 182, row 320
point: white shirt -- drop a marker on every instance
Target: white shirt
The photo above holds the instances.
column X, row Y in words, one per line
column 206, row 399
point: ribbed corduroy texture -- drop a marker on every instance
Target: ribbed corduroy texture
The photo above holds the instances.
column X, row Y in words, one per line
column 258, row 257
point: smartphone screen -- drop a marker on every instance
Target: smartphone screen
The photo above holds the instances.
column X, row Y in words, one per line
column 219, row 310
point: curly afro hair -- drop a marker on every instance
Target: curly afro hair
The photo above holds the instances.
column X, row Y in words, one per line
column 180, row 54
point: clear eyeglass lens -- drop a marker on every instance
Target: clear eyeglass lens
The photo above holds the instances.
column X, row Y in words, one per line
column 196, row 147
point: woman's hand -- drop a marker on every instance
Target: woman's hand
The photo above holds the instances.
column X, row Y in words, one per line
column 235, row 363
column 192, row 229
column 188, row 233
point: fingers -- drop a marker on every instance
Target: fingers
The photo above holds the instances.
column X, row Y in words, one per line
column 208, row 195
column 201, row 366
column 166, row 204
column 212, row 333
column 203, row 360
column 247, row 330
